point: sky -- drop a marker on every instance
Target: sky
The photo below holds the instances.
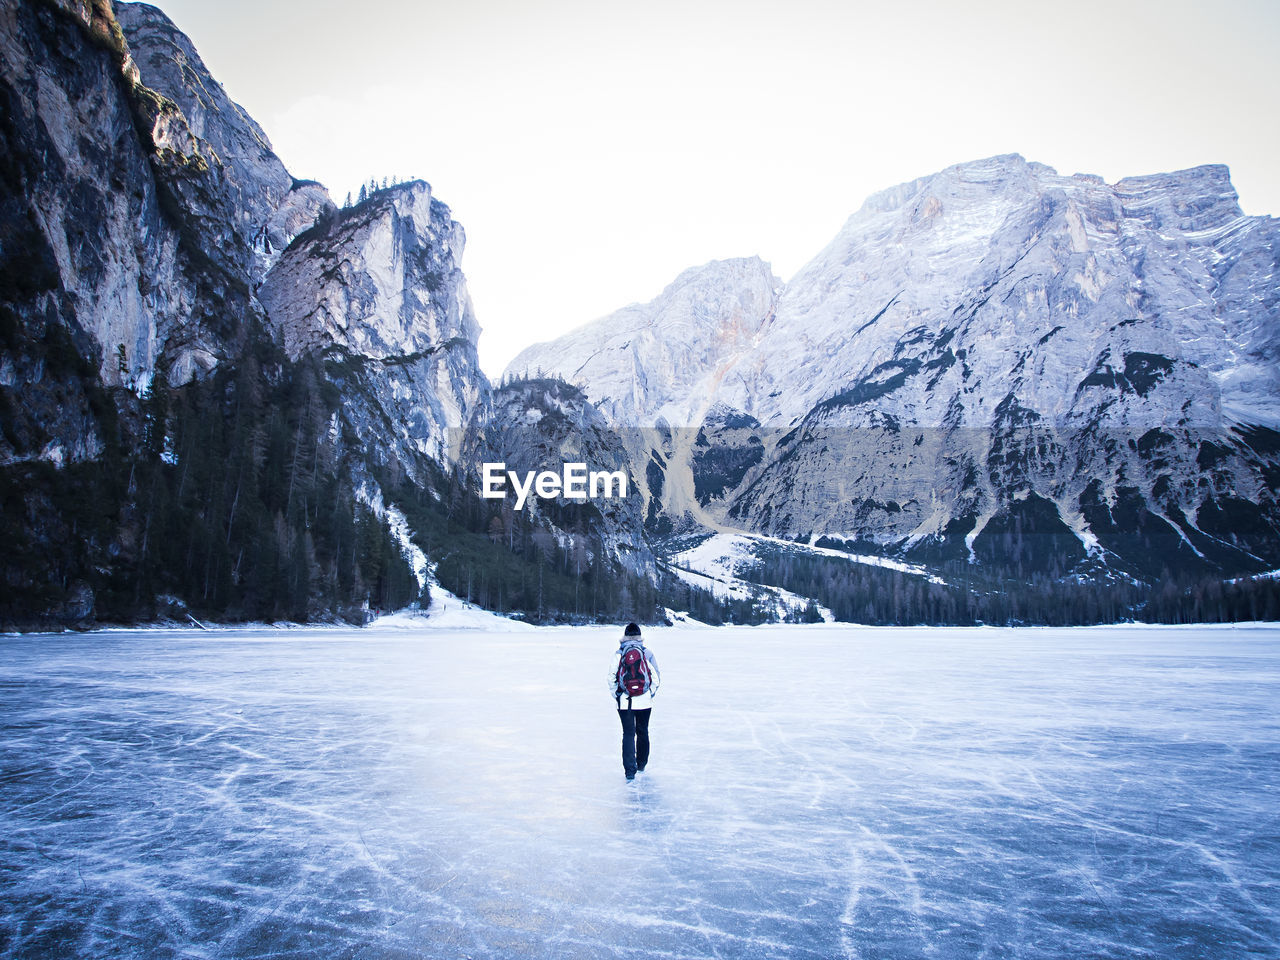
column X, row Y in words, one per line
column 594, row 150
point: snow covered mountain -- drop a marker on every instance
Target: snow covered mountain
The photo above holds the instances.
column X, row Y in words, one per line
column 663, row 362
column 992, row 352
column 215, row 386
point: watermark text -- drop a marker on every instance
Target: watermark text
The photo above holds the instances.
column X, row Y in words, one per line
column 573, row 482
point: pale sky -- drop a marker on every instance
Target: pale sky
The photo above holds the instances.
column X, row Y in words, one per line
column 593, row 150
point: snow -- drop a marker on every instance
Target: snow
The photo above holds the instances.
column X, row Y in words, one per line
column 419, row 790
column 728, row 587
column 447, row 612
column 403, row 533
column 723, row 554
column 729, row 555
column 1268, row 575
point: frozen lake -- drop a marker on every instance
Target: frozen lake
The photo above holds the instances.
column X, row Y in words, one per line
column 820, row 793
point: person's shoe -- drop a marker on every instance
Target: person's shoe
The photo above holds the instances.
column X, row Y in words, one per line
column 640, row 769
column 631, row 776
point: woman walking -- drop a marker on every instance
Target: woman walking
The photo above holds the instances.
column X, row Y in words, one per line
column 633, row 683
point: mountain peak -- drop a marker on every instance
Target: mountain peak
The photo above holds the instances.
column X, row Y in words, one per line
column 995, row 170
column 716, row 270
column 647, row 361
column 1192, row 200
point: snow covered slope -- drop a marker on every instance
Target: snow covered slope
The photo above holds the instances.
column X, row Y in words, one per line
column 727, row 554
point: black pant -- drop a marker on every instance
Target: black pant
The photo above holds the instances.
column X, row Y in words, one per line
column 635, row 739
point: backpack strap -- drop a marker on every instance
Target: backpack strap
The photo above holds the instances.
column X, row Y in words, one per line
column 618, row 690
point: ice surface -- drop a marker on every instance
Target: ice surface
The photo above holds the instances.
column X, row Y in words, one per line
column 414, row 791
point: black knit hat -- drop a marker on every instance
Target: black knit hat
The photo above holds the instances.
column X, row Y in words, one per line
column 633, row 630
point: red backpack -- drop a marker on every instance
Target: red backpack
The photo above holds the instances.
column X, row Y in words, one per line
column 634, row 678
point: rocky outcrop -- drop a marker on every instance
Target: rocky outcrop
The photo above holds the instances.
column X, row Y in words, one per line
column 260, row 206
column 378, row 290
column 97, row 277
column 131, row 210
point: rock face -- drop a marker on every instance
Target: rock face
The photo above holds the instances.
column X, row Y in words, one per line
column 379, row 287
column 1008, row 249
column 97, row 276
column 166, row 455
column 380, row 278
column 211, row 378
column 144, row 210
column 262, row 207
column 132, row 194
column 998, row 348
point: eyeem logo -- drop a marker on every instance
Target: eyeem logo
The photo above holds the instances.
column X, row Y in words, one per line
column 573, row 483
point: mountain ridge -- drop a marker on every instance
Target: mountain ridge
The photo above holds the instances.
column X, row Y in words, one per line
column 221, row 394
column 996, row 393
column 1004, row 310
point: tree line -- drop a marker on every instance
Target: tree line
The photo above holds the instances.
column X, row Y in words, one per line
column 988, row 594
column 549, row 566
column 230, row 498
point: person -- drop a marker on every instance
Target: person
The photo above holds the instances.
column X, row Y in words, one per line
column 633, row 683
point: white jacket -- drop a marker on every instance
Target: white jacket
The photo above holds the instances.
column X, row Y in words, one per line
column 644, row 701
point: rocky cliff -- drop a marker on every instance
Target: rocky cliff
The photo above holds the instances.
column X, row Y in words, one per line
column 220, row 393
column 100, row 174
column 378, row 290
column 160, row 452
column 261, row 206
